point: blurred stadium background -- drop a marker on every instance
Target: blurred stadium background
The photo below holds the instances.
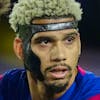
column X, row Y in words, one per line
column 90, row 36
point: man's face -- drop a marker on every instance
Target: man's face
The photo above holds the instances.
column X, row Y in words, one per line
column 58, row 52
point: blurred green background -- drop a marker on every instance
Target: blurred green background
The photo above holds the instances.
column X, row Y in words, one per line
column 7, row 57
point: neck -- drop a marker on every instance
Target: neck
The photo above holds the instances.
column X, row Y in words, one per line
column 37, row 89
column 39, row 92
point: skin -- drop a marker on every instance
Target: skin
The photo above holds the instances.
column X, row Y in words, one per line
column 59, row 48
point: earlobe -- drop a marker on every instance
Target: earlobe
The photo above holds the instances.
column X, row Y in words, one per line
column 18, row 48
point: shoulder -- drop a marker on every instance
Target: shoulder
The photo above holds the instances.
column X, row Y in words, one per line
column 90, row 85
column 14, row 82
column 88, row 77
column 12, row 74
column 93, row 86
column 12, row 77
column 92, row 80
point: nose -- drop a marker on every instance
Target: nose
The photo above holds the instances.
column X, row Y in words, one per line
column 58, row 53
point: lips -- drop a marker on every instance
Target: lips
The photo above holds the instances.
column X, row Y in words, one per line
column 58, row 72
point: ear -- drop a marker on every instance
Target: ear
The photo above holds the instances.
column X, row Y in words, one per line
column 18, row 48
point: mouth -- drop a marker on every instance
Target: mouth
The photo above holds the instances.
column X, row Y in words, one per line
column 58, row 72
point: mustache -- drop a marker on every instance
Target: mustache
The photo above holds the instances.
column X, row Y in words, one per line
column 55, row 65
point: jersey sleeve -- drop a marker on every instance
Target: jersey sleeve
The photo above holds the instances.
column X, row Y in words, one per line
column 14, row 85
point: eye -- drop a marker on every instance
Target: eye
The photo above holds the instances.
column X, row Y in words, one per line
column 43, row 41
column 70, row 39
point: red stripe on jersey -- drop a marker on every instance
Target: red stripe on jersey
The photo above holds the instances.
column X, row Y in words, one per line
column 96, row 97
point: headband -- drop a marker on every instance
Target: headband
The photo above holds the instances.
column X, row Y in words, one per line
column 27, row 31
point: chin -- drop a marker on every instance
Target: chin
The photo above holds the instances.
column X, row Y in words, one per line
column 57, row 86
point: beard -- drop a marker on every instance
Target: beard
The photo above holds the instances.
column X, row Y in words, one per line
column 57, row 85
column 54, row 88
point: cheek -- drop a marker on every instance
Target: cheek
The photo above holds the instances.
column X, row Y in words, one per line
column 44, row 58
column 43, row 54
column 44, row 61
column 40, row 53
column 73, row 56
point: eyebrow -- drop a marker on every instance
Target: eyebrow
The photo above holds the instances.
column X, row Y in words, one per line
column 40, row 38
column 70, row 34
column 51, row 38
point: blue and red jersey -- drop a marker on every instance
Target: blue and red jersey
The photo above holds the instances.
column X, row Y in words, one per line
column 14, row 86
